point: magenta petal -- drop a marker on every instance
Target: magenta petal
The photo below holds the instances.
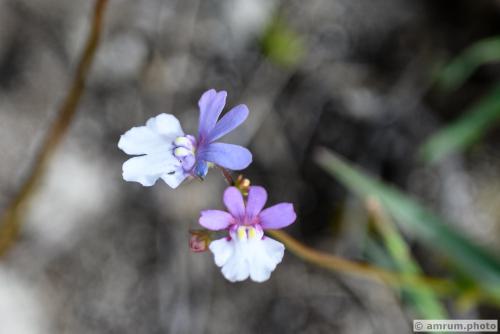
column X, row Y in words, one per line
column 229, row 122
column 277, row 216
column 257, row 197
column 215, row 219
column 233, row 199
column 229, row 156
column 211, row 104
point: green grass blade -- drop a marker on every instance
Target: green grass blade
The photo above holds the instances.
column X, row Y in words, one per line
column 464, row 65
column 427, row 227
column 422, row 298
column 465, row 131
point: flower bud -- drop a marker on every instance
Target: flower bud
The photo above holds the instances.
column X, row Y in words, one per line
column 243, row 184
column 199, row 240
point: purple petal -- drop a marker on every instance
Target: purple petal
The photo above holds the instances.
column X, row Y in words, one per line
column 215, row 219
column 229, row 156
column 234, row 202
column 277, row 216
column 229, row 122
column 257, row 197
column 211, row 104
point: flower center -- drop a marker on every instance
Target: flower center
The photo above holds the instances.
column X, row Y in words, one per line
column 185, row 150
column 244, row 233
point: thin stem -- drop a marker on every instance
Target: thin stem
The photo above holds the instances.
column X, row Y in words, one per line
column 334, row 263
column 227, row 176
column 11, row 220
column 339, row 264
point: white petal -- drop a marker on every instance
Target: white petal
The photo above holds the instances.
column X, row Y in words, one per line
column 147, row 169
column 222, row 250
column 174, row 177
column 267, row 253
column 229, row 255
column 240, row 259
column 236, row 269
column 166, row 125
column 142, row 140
column 156, row 136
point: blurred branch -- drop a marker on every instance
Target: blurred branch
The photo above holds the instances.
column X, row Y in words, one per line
column 11, row 220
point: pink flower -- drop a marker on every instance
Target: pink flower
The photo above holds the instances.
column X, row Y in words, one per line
column 246, row 252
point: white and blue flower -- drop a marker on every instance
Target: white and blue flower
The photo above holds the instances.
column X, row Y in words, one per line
column 163, row 151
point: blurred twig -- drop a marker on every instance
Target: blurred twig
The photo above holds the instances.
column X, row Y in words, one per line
column 11, row 220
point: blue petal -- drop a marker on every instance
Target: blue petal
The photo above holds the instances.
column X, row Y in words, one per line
column 211, row 104
column 229, row 156
column 201, row 169
column 229, row 122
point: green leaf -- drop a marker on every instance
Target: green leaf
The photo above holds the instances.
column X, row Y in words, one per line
column 465, row 131
column 281, row 44
column 424, row 225
column 464, row 65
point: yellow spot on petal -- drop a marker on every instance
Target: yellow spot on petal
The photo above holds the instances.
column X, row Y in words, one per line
column 252, row 233
column 181, row 151
column 179, row 141
column 242, row 234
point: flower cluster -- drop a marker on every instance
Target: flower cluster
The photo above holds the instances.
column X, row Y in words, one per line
column 163, row 150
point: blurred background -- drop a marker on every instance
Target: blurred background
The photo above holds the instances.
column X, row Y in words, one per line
column 407, row 90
